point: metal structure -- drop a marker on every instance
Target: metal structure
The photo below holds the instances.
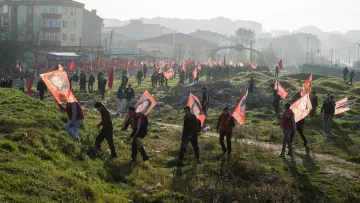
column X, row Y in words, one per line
column 238, row 47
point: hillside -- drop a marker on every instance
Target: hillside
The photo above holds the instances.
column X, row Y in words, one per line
column 40, row 163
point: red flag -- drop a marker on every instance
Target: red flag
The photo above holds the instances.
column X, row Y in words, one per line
column 182, row 68
column 307, row 86
column 280, row 64
column 169, row 73
column 83, row 68
column 28, row 85
column 196, row 108
column 199, row 66
column 137, row 65
column 187, row 62
column 301, row 107
column 252, row 65
column 224, row 63
column 195, row 73
column 280, row 90
column 71, row 66
column 111, row 77
column 239, row 111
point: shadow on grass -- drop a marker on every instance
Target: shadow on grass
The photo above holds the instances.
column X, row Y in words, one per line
column 117, row 171
column 309, row 193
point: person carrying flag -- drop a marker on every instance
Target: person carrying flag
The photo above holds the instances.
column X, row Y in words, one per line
column 224, row 127
column 276, row 100
column 76, row 118
column 288, row 125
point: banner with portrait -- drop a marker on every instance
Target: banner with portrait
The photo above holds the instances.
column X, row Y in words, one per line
column 196, row 108
column 145, row 103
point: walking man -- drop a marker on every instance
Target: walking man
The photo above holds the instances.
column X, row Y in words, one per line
column 41, row 87
column 345, row 73
column 121, row 102
column 205, row 100
column 139, row 124
column 328, row 109
column 225, row 126
column 251, row 85
column 288, row 125
column 106, row 131
column 91, row 82
column 189, row 134
column 129, row 95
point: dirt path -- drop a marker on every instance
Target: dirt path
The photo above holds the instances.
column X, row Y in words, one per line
column 334, row 165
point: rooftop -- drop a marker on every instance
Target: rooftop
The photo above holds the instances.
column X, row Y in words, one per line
column 180, row 38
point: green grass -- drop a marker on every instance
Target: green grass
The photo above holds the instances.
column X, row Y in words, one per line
column 40, row 163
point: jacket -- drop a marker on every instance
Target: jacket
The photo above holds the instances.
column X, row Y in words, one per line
column 41, row 86
column 136, row 123
column 121, row 93
column 328, row 106
column 124, row 79
column 314, row 101
column 205, row 98
column 225, row 123
column 105, row 118
column 139, row 74
column 74, row 111
column 102, row 85
column 91, row 80
column 129, row 93
column 190, row 126
column 288, row 120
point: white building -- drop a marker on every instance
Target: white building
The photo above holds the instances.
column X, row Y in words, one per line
column 56, row 22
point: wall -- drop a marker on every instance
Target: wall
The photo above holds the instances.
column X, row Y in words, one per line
column 77, row 17
column 91, row 30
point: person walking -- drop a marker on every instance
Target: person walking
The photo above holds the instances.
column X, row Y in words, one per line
column 91, row 83
column 276, row 100
column 41, row 87
column 121, row 100
column 144, row 71
column 345, row 73
column 288, row 126
column 82, row 81
column 129, row 95
column 351, row 76
column 277, row 71
column 139, row 76
column 328, row 110
column 102, row 86
column 74, row 82
column 76, row 118
column 205, row 100
column 22, row 85
column 139, row 124
column 189, row 134
column 251, row 85
column 224, row 127
column 106, row 131
column 314, row 104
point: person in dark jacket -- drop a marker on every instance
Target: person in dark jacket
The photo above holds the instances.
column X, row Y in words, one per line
column 139, row 130
column 161, row 79
column 351, row 76
column 328, row 109
column 82, row 82
column 41, row 87
column 181, row 77
column 251, row 85
column 345, row 73
column 288, row 125
column 277, row 71
column 124, row 79
column 139, row 76
column 99, row 76
column 74, row 82
column 208, row 73
column 154, row 79
column 129, row 95
column 22, row 85
column 121, row 99
column 106, row 131
column 102, row 86
column 276, row 100
column 144, row 71
column 314, row 104
column 91, row 83
column 9, row 82
column 224, row 127
column 189, row 134
column 76, row 118
column 205, row 100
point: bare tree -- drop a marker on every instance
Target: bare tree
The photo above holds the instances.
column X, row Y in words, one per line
column 244, row 36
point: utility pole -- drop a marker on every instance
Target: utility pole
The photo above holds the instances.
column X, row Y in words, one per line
column 307, row 47
column 311, row 57
column 332, row 52
column 251, row 45
column 111, row 40
column 349, row 56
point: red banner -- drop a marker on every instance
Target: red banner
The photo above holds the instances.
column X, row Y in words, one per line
column 145, row 103
column 252, row 65
column 58, row 83
column 196, row 108
column 280, row 90
column 71, row 66
column 28, row 85
column 307, row 86
column 280, row 64
column 195, row 73
column 111, row 77
column 239, row 111
column 301, row 107
column 169, row 73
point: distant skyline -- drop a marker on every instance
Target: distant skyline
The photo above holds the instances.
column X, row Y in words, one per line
column 328, row 15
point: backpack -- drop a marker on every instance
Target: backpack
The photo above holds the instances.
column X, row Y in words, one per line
column 144, row 125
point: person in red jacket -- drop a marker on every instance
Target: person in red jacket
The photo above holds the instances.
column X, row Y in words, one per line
column 288, row 126
column 76, row 118
column 225, row 127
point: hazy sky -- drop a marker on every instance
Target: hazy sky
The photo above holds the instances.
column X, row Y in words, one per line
column 328, row 15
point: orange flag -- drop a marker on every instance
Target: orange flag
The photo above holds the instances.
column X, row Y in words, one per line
column 196, row 108
column 280, row 90
column 58, row 83
column 301, row 107
column 145, row 103
column 195, row 73
column 199, row 66
column 111, row 77
column 169, row 73
column 239, row 111
column 182, row 68
column 71, row 66
column 307, row 86
column 280, row 65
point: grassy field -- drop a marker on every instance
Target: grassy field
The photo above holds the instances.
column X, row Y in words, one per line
column 40, row 163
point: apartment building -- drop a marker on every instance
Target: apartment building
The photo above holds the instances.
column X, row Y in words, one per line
column 56, row 22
